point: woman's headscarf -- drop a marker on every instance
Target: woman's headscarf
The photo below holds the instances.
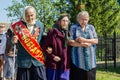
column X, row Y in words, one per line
column 24, row 12
column 58, row 26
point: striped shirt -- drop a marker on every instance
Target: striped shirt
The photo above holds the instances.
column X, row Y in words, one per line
column 84, row 57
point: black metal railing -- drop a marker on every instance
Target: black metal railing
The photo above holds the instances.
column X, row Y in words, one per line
column 108, row 49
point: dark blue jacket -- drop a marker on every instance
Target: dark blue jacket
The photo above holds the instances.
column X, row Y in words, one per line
column 24, row 59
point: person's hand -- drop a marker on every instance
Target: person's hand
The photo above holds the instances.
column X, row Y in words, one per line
column 56, row 58
column 80, row 39
column 86, row 44
column 49, row 50
column 14, row 39
column 71, row 41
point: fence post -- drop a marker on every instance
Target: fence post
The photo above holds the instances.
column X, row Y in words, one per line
column 105, row 51
column 114, row 48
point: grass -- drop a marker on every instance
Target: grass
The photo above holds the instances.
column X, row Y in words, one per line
column 102, row 75
column 110, row 73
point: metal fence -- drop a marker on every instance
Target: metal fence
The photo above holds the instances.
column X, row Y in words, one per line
column 108, row 49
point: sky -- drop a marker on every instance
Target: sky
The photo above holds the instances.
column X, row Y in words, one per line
column 3, row 13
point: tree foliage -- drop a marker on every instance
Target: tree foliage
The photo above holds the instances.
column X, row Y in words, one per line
column 104, row 14
column 47, row 10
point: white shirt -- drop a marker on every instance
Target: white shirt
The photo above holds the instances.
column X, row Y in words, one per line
column 30, row 28
column 3, row 43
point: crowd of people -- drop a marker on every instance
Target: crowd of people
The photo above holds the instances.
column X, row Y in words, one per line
column 66, row 52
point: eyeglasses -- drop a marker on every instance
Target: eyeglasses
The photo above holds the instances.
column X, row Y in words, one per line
column 65, row 20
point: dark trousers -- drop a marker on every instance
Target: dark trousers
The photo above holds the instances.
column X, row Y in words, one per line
column 80, row 74
column 32, row 73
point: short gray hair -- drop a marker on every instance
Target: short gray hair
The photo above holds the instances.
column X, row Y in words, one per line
column 82, row 13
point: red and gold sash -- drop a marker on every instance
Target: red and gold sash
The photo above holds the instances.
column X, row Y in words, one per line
column 28, row 41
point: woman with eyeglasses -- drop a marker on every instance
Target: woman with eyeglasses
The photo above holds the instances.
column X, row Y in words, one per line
column 57, row 51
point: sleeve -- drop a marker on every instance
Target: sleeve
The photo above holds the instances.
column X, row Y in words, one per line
column 9, row 44
column 72, row 32
column 49, row 42
column 41, row 26
column 10, row 34
column 94, row 32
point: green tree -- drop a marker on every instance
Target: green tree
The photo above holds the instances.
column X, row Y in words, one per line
column 47, row 10
column 75, row 7
column 104, row 14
